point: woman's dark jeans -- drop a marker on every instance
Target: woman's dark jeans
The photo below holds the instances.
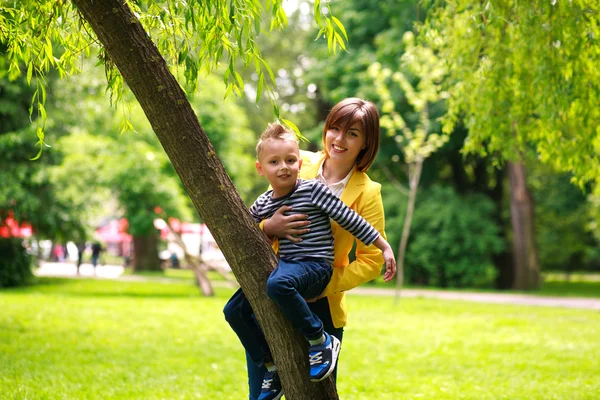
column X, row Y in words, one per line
column 240, row 316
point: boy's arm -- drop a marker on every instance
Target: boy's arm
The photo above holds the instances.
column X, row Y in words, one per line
column 343, row 215
column 388, row 256
column 369, row 259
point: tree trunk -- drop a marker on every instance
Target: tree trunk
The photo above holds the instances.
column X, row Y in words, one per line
column 204, row 177
column 145, row 253
column 526, row 267
column 502, row 261
column 202, row 280
column 413, row 177
column 199, row 268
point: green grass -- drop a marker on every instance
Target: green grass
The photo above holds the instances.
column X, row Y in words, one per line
column 579, row 285
column 98, row 339
column 555, row 285
column 178, row 274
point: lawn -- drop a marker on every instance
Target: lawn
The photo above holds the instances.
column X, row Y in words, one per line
column 554, row 284
column 92, row 339
column 581, row 285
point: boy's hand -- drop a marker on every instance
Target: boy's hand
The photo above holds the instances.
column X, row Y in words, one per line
column 313, row 299
column 388, row 256
column 286, row 226
column 390, row 264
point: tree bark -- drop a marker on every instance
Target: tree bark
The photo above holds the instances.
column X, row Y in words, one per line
column 502, row 261
column 526, row 266
column 414, row 176
column 208, row 185
column 145, row 253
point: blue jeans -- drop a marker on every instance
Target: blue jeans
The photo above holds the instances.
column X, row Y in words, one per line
column 240, row 316
column 291, row 283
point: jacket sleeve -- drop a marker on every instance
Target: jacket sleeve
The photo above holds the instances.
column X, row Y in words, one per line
column 274, row 240
column 369, row 260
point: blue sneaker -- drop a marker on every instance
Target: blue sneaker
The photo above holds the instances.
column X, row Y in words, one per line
column 271, row 387
column 322, row 358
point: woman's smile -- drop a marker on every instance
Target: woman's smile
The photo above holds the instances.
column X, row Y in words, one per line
column 338, row 148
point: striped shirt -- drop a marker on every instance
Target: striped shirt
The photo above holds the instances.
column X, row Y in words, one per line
column 315, row 200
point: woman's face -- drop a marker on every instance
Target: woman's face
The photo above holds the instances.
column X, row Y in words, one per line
column 345, row 146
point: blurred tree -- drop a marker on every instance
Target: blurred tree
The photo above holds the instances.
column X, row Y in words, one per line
column 525, row 78
column 521, row 78
column 419, row 78
column 454, row 240
column 15, row 98
column 562, row 213
column 28, row 191
column 376, row 30
column 288, row 57
column 131, row 167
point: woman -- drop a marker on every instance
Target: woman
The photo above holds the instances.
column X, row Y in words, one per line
column 350, row 145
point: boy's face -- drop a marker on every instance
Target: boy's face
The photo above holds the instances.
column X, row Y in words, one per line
column 279, row 162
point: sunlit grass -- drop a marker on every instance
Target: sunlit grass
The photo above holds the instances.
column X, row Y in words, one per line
column 96, row 339
column 554, row 285
column 172, row 273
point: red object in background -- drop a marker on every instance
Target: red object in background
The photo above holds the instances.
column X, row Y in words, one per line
column 9, row 227
column 123, row 225
column 113, row 232
column 175, row 224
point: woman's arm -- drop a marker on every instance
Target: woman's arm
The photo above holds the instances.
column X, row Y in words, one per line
column 369, row 259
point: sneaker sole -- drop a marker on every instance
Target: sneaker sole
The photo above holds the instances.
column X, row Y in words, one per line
column 280, row 395
column 335, row 351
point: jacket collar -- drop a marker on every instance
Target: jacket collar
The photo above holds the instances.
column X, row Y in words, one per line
column 354, row 187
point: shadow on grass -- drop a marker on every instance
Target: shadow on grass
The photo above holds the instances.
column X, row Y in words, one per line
column 36, row 282
column 104, row 288
column 571, row 289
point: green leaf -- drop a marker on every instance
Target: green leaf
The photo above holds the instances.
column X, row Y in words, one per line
column 29, row 72
column 319, row 34
column 40, row 142
column 293, row 127
column 340, row 41
column 268, row 68
column 239, row 80
column 317, row 12
column 330, row 45
column 259, row 89
column 48, row 49
column 340, row 27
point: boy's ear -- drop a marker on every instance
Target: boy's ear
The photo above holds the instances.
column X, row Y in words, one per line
column 299, row 164
column 259, row 168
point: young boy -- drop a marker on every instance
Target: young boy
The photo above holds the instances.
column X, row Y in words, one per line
column 304, row 267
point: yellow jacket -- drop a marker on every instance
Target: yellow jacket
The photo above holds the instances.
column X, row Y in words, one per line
column 363, row 196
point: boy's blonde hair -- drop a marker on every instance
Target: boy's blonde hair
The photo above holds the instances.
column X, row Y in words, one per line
column 275, row 131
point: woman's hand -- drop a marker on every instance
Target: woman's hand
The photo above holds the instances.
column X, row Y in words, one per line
column 286, row 226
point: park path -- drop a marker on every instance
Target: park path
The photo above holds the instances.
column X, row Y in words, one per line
column 116, row 272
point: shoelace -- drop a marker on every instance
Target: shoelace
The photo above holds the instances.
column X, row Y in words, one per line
column 315, row 358
column 267, row 383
